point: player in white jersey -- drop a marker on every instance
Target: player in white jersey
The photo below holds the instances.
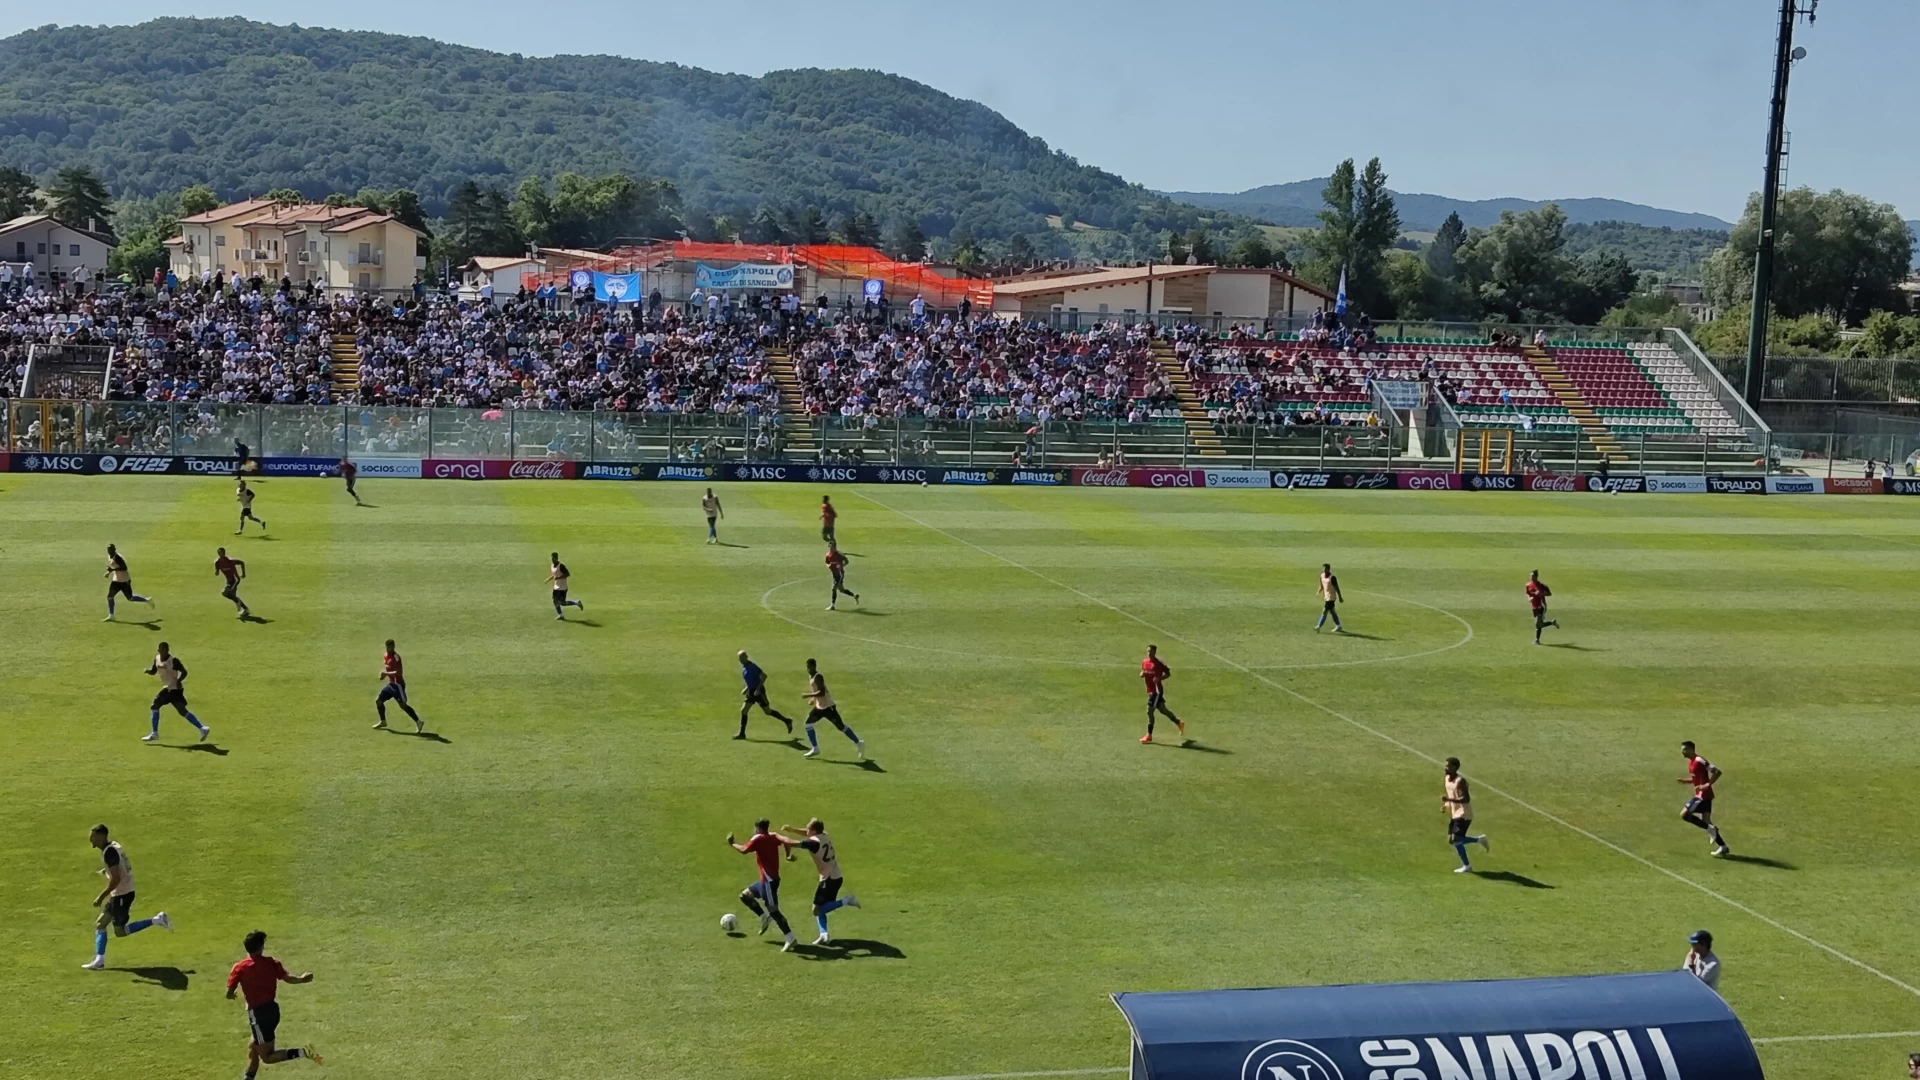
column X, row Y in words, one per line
column 120, row 582
column 244, row 495
column 820, row 706
column 116, row 900
column 826, row 895
column 173, row 678
column 557, row 577
column 710, row 505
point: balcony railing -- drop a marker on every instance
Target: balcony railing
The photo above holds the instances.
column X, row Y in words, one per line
column 356, row 258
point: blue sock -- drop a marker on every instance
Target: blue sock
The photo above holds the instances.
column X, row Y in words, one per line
column 99, row 943
column 136, row 927
column 195, row 721
column 109, row 607
column 1321, row 623
column 829, row 908
column 812, row 737
column 156, row 721
column 1461, row 850
column 851, row 735
column 821, row 920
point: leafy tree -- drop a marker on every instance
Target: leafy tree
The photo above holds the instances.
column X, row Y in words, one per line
column 286, row 196
column 198, row 199
column 1200, row 246
column 1516, row 269
column 1020, row 253
column 860, row 230
column 594, row 211
column 19, row 194
column 1250, row 250
column 907, row 241
column 767, row 228
column 1177, row 250
column 402, row 203
column 479, row 222
column 1835, row 253
column 808, row 226
column 966, row 250
column 1649, row 310
column 1357, row 228
column 78, row 198
column 1442, row 253
column 1598, row 282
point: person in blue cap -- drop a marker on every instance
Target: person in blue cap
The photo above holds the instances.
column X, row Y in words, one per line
column 1700, row 959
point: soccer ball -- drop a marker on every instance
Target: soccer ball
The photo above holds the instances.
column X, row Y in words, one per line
column 923, row 483
column 728, row 922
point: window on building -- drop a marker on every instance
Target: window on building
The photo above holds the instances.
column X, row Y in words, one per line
column 219, row 240
column 40, row 249
column 73, row 249
column 20, row 249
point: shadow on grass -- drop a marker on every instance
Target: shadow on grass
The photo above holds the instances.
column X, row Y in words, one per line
column 264, row 536
column 423, row 736
column 580, row 622
column 723, row 543
column 367, row 505
column 200, row 747
column 1759, row 860
column 1512, row 878
column 1194, row 745
column 848, row 949
column 1363, row 637
column 863, row 611
column 1570, row 645
column 868, row 764
column 150, row 624
column 792, row 742
column 252, row 618
column 166, row 978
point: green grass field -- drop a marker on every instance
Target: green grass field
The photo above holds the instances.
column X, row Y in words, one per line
column 538, row 895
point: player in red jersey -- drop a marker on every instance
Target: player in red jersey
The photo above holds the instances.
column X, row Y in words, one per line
column 350, row 472
column 837, row 564
column 828, row 515
column 1698, row 812
column 1155, row 673
column 1537, row 593
column 395, row 689
column 234, row 570
column 258, row 978
column 766, row 847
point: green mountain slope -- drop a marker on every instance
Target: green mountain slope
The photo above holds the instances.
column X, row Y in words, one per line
column 248, row 107
column 1295, row 203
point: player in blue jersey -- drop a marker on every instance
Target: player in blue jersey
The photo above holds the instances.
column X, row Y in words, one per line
column 755, row 693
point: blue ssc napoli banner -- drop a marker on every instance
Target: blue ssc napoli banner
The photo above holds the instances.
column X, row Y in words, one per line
column 1659, row 1026
column 744, row 276
column 580, row 280
column 616, row 288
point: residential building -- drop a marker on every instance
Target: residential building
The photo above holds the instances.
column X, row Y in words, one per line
column 502, row 272
column 53, row 248
column 345, row 249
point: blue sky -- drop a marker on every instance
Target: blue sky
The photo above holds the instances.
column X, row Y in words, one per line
column 1654, row 101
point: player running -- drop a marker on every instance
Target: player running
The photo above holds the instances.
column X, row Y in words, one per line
column 258, row 978
column 244, row 495
column 766, row 848
column 1154, row 672
column 235, row 571
column 821, row 707
column 710, row 505
column 350, row 472
column 173, row 678
column 828, row 515
column 826, row 895
column 1537, row 593
column 120, row 582
column 837, row 564
column 557, row 575
column 755, row 693
column 1457, row 800
column 1329, row 596
column 395, row 689
column 116, row 900
column 1698, row 812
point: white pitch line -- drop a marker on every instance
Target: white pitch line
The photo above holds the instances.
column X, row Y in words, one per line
column 1464, row 639
column 1421, row 754
column 1013, row 1075
column 1838, row 1038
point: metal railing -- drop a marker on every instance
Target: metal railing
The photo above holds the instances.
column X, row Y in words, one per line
column 1833, row 378
column 1709, row 375
column 331, row 432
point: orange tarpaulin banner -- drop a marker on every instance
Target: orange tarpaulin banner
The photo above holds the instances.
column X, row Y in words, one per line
column 902, row 280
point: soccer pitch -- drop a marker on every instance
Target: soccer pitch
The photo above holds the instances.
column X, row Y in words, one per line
column 537, row 893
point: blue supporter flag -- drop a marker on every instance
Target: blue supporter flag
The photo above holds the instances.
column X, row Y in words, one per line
column 1340, row 299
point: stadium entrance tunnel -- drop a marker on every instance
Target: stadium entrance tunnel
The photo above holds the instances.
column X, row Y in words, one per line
column 1659, row 1026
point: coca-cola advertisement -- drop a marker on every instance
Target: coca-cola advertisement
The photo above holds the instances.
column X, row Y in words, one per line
column 1100, row 477
column 1551, row 482
column 530, row 470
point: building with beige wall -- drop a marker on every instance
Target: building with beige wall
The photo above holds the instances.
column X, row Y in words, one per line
column 344, row 249
column 1228, row 292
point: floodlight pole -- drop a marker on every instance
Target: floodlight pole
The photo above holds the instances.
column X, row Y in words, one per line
column 1783, row 58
